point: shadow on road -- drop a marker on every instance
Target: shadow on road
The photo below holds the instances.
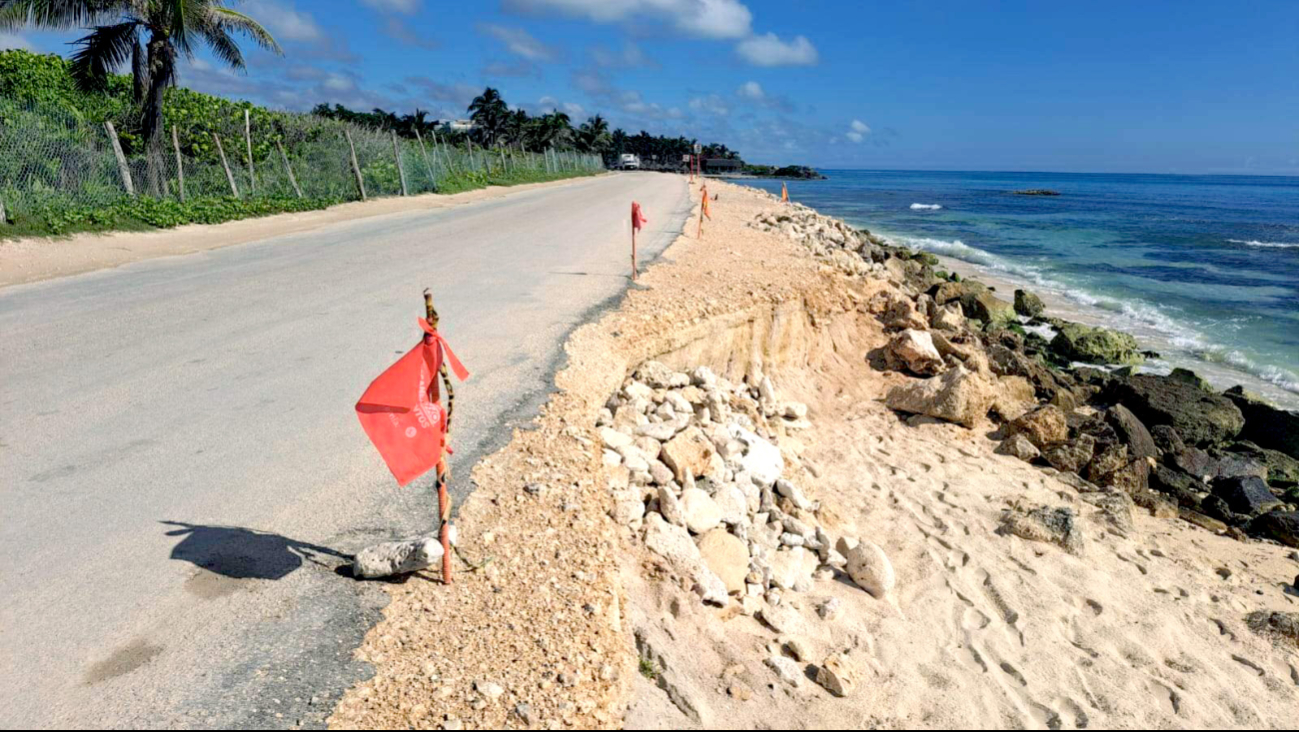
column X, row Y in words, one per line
column 241, row 553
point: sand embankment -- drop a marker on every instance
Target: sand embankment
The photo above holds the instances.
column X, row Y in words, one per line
column 1133, row 621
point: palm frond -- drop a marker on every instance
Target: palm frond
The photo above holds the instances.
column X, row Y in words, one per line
column 232, row 20
column 102, row 52
column 224, row 47
column 59, row 14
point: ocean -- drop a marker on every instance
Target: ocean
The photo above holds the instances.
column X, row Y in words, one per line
column 1202, row 269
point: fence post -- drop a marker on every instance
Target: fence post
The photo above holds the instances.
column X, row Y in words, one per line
column 248, row 140
column 122, row 167
column 401, row 170
column 427, row 164
column 3, row 219
column 234, row 189
column 293, row 180
column 180, row 166
column 356, row 167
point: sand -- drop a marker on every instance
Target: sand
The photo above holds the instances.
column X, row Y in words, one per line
column 42, row 258
column 1144, row 628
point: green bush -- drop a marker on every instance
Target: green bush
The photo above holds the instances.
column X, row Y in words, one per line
column 57, row 218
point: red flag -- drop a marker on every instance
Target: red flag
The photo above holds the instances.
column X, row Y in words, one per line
column 401, row 413
column 638, row 219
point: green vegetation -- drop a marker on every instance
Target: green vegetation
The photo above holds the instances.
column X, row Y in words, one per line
column 136, row 214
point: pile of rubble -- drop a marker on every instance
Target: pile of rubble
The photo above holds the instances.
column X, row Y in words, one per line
column 854, row 251
column 693, row 468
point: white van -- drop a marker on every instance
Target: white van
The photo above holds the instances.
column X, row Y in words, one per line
column 628, row 161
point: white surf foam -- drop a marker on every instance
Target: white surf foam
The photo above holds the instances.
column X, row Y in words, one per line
column 925, row 207
column 1263, row 244
column 1128, row 315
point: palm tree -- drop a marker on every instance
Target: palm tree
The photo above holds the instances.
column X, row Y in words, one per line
column 489, row 111
column 593, row 135
column 167, row 29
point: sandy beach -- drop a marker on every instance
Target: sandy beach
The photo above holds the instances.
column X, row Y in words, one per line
column 607, row 615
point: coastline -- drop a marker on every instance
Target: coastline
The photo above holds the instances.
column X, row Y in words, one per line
column 610, row 615
column 1172, row 354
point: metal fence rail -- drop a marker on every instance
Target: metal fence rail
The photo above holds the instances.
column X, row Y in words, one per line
column 50, row 158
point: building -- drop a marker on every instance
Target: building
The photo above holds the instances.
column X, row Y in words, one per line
column 716, row 166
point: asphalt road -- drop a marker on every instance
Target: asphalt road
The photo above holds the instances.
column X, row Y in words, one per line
column 182, row 472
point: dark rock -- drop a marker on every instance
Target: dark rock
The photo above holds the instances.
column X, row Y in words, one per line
column 1037, row 192
column 1071, row 457
column 1077, row 342
column 1210, row 466
column 1265, row 425
column 946, row 292
column 1282, row 470
column 1205, row 522
column 1248, row 496
column 1187, row 376
column 1278, row 526
column 1052, row 386
column 1130, row 430
column 1167, row 440
column 1028, row 304
column 1199, row 417
column 1183, row 488
column 1218, row 508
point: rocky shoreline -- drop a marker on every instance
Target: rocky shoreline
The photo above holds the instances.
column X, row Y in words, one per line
column 1170, row 443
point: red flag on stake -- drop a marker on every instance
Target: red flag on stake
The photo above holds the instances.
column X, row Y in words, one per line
column 638, row 222
column 401, row 411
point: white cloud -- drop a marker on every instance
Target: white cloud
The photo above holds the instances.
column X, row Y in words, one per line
column 857, row 131
column 630, row 56
column 710, row 103
column 769, row 50
column 285, row 23
column 13, row 40
column 520, row 42
column 752, row 91
column 705, row 18
column 394, row 6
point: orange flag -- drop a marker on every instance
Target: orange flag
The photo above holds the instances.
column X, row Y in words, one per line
column 401, row 412
column 638, row 219
column 784, row 193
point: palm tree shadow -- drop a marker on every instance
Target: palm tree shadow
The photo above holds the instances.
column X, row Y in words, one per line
column 240, row 553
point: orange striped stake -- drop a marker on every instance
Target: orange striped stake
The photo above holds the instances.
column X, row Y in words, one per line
column 638, row 222
column 784, row 193
column 703, row 212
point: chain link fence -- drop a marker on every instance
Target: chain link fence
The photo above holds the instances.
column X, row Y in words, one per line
column 51, row 157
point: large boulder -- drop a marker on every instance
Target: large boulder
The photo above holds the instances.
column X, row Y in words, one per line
column 1200, row 418
column 674, row 545
column 1028, row 304
column 1045, row 426
column 727, row 556
column 870, row 569
column 914, row 350
column 1132, row 432
column 1265, row 425
column 1071, row 457
column 689, row 452
column 1056, row 526
column 1248, row 496
column 957, row 396
column 1209, row 466
column 1077, row 342
column 1277, row 526
column 1181, row 487
column 989, row 308
column 1282, row 470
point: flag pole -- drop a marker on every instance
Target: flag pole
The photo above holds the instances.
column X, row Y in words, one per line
column 444, row 498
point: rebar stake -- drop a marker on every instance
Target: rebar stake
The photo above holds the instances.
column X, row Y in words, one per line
column 444, row 498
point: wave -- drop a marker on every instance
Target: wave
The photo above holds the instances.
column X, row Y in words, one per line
column 1129, row 313
column 1258, row 244
column 925, row 207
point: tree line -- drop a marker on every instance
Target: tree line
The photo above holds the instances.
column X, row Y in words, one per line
column 495, row 124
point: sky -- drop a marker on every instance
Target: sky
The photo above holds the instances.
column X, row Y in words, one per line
column 1156, row 86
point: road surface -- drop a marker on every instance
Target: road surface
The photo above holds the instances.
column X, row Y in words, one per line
column 181, row 470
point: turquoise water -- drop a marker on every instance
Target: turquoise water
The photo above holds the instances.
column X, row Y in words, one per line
column 1203, row 269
